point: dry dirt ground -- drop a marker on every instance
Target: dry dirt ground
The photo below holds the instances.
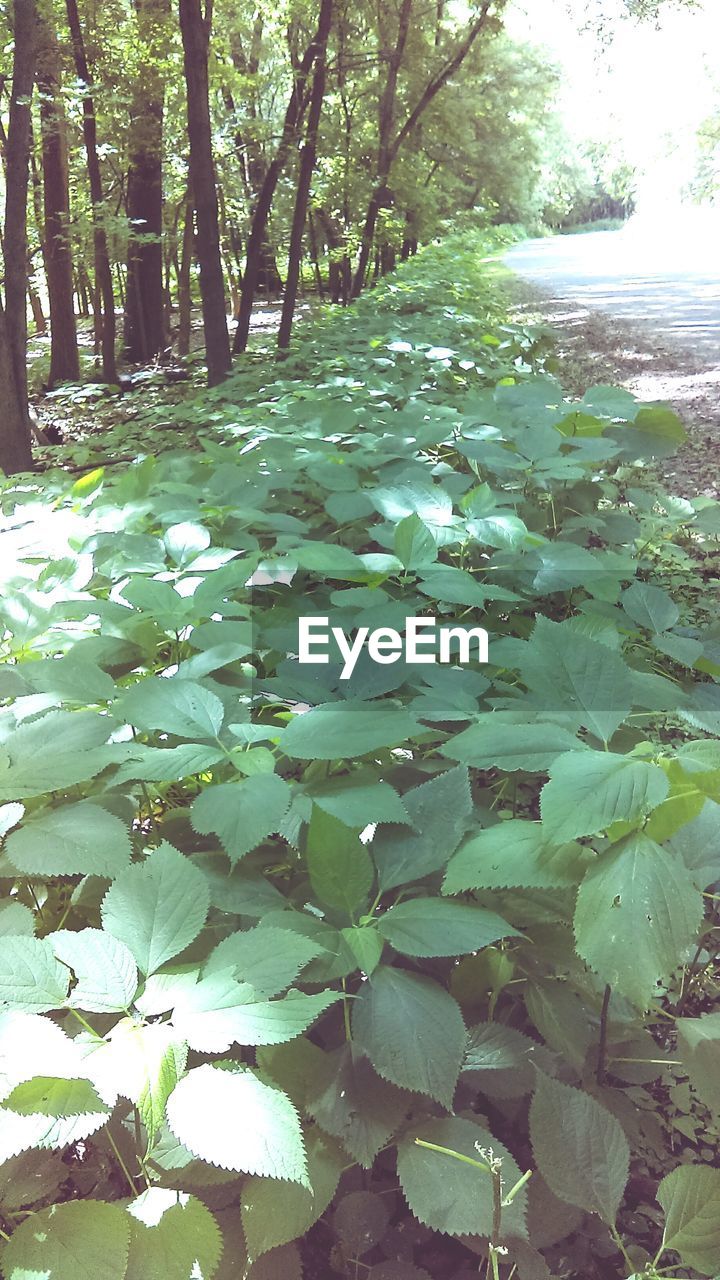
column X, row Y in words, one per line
column 595, row 346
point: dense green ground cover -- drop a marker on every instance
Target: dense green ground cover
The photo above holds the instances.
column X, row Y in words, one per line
column 266, row 928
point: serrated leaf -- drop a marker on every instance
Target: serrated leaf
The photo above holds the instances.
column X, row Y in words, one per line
column 53, row 752
column 31, row 979
column 157, row 908
column 491, row 744
column 439, row 810
column 514, row 853
column 154, row 764
column 567, row 671
column 431, row 927
column 77, row 1240
column 366, row 945
column 699, row 1048
column 360, row 1221
column 340, row 869
column 105, row 972
column 219, row 1012
column 345, row 730
column 580, row 1148
column 273, row 1214
column 242, row 813
column 16, row 920
column 76, row 839
column 358, row 803
column 690, row 1196
column 448, row 1194
column 173, row 1236
column 590, row 790
column 141, row 1062
column 494, row 1051
column 637, row 916
column 269, row 959
column 47, row 1096
column 412, row 1031
column 233, row 1120
column 351, row 1102
column 182, row 707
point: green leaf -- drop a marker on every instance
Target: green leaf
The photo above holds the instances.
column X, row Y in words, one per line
column 358, row 803
column 31, row 979
column 699, row 1048
column 580, row 1148
column 153, row 764
column 104, row 969
column 233, row 1120
column 340, row 869
column 157, row 908
column 242, row 813
column 269, row 960
column 16, row 919
column 173, row 1236
column 47, row 1096
column 514, row 853
column 366, row 945
column 352, row 1103
column 185, row 541
column 450, row 1195
column 439, row 811
column 490, row 744
column 53, row 752
column 273, row 1214
column 590, row 790
column 570, row 672
column 414, row 544
column 501, row 1056
column 77, row 839
column 637, row 915
column 142, row 1062
column 431, row 927
column 660, row 424
column 650, row 607
column 690, row 1196
column 344, row 730
column 218, row 1012
column 412, row 1031
column 182, row 707
column 78, row 1240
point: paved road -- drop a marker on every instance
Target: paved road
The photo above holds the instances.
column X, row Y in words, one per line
column 667, row 278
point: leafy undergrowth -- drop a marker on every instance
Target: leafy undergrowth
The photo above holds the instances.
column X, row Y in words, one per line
column 304, row 971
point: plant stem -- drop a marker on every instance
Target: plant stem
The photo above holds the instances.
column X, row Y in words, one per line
column 601, row 1069
column 122, row 1163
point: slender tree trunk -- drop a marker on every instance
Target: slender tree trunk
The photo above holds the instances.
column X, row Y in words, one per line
column 103, row 274
column 144, row 329
column 195, row 30
column 258, row 227
column 308, row 156
column 57, row 252
column 17, row 161
column 15, row 451
column 36, row 306
column 184, row 295
column 312, row 237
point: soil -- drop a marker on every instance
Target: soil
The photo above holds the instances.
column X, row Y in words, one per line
column 596, row 347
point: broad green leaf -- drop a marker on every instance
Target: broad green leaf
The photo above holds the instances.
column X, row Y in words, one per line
column 514, row 853
column 105, row 972
column 637, row 916
column 173, row 1236
column 31, row 979
column 181, row 707
column 490, row 744
column 48, row 1096
column 562, row 1018
column 439, row 810
column 340, row 869
column 351, row 1102
column 76, row 839
column 269, row 960
column 580, row 1148
column 77, row 1240
column 590, row 790
column 498, row 1055
column 142, row 1062
column 233, row 1120
column 55, row 751
column 360, row 1221
column 412, row 1031
column 567, row 671
column 660, row 423
column 219, row 1012
column 448, row 1194
column 273, row 1213
column 698, row 844
column 699, row 1049
column 186, row 540
column 16, row 919
column 242, row 813
column 358, row 803
column 157, row 908
column 431, row 927
column 690, row 1196
column 414, row 544
column 153, row 764
column 650, row 607
column 366, row 945
column 344, row 730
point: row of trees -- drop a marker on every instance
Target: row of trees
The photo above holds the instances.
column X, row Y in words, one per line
column 147, row 143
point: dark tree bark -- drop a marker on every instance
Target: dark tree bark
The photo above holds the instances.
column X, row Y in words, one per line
column 144, row 329
column 184, row 298
column 308, row 157
column 57, row 252
column 17, row 168
column 258, row 228
column 195, row 30
column 105, row 298
column 15, row 450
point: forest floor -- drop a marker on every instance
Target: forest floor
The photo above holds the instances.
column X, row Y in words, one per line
column 594, row 346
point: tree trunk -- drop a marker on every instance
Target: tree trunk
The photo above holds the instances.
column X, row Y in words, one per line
column 17, row 162
column 184, row 294
column 103, row 276
column 307, row 164
column 57, row 252
column 144, row 329
column 15, row 451
column 195, row 31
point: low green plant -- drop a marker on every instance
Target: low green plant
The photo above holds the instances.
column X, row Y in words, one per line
column 272, row 940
